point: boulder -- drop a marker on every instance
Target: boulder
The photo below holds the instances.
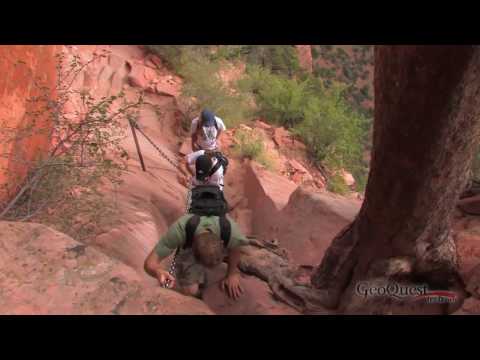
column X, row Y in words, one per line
column 309, row 222
column 348, row 178
column 166, row 89
column 267, row 195
column 257, row 298
column 262, row 125
column 46, row 272
column 141, row 76
column 281, row 136
column 297, row 166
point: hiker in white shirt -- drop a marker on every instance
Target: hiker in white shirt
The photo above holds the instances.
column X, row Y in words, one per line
column 206, row 168
column 206, row 130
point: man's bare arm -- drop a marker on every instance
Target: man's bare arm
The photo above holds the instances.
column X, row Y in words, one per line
column 234, row 256
column 231, row 283
column 190, row 168
column 153, row 267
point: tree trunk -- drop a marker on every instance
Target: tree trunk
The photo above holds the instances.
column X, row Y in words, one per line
column 427, row 112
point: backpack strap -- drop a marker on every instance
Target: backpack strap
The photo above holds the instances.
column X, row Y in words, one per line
column 225, row 230
column 217, row 166
column 190, row 228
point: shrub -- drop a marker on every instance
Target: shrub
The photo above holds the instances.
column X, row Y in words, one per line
column 337, row 185
column 278, row 98
column 332, row 130
column 63, row 187
column 210, row 92
column 250, row 145
column 199, row 66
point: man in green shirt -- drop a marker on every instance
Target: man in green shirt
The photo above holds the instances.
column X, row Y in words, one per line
column 207, row 250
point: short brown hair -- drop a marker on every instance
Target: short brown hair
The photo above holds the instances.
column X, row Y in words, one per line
column 208, row 249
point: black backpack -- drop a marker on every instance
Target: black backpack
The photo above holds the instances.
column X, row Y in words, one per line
column 207, row 200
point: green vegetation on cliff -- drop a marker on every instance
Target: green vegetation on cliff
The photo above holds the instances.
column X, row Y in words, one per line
column 315, row 107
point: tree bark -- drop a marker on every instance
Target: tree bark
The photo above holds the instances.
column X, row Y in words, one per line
column 427, row 112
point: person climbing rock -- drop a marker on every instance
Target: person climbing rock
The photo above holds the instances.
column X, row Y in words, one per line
column 206, row 251
column 206, row 130
column 201, row 242
column 206, row 168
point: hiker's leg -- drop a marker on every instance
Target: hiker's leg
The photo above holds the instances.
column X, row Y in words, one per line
column 190, row 274
column 190, row 290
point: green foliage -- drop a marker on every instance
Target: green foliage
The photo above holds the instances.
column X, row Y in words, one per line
column 210, row 92
column 337, row 185
column 199, row 66
column 317, row 108
column 324, row 73
column 365, row 92
column 278, row 98
column 349, row 73
column 333, row 132
column 231, row 52
column 250, row 145
column 279, row 59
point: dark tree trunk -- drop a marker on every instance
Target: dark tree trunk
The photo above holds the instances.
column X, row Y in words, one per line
column 427, row 112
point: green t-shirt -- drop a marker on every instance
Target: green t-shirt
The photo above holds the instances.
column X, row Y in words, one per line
column 176, row 234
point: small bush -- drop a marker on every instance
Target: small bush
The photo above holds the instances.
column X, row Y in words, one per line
column 64, row 186
column 250, row 145
column 278, row 98
column 337, row 185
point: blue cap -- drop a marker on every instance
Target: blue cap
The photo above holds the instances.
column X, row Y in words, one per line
column 208, row 118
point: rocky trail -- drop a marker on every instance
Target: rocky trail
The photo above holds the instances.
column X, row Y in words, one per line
column 287, row 212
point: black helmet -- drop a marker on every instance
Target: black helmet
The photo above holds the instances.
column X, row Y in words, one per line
column 203, row 165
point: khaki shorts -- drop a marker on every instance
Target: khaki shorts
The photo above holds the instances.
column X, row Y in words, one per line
column 188, row 270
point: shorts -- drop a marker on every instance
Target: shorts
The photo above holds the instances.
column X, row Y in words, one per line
column 188, row 270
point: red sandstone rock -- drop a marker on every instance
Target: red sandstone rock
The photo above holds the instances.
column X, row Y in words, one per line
column 262, row 125
column 45, row 272
column 281, row 136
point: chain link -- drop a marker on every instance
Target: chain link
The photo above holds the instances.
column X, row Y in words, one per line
column 173, row 264
column 171, row 271
column 135, row 124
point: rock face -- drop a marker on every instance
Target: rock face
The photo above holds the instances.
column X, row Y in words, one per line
column 20, row 65
column 148, row 201
column 310, row 221
column 257, row 298
column 267, row 195
column 45, row 272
